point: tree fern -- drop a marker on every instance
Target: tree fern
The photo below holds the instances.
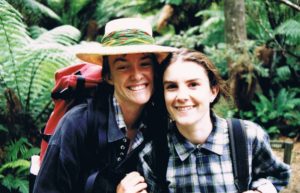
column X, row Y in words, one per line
column 27, row 65
column 39, row 79
column 35, row 12
column 64, row 35
column 13, row 39
column 36, row 31
column 291, row 30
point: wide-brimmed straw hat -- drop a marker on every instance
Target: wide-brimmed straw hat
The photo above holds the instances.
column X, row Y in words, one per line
column 124, row 36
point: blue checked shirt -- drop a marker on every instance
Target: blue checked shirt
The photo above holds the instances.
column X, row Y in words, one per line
column 139, row 138
column 207, row 168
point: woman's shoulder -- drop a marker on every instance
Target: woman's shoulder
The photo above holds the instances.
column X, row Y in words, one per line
column 254, row 130
column 75, row 120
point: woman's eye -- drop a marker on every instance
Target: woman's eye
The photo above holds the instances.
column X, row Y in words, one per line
column 194, row 84
column 122, row 67
column 146, row 63
column 170, row 86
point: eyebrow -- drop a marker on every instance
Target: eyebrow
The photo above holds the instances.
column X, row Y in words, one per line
column 122, row 58
column 168, row 82
column 146, row 56
column 171, row 81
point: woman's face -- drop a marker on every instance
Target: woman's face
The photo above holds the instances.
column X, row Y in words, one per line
column 132, row 78
column 187, row 92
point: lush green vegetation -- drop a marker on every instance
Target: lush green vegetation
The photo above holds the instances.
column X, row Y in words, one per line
column 36, row 39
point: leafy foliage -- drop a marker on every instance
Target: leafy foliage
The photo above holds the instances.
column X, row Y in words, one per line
column 28, row 66
column 209, row 32
column 30, row 56
column 35, row 12
column 27, row 69
column 13, row 173
column 290, row 29
column 178, row 2
column 109, row 9
column 277, row 113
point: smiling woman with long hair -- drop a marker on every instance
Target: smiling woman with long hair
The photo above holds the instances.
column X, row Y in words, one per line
column 199, row 158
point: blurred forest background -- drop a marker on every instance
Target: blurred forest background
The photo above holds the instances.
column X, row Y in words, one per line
column 254, row 43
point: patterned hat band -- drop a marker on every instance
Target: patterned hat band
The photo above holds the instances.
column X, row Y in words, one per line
column 127, row 37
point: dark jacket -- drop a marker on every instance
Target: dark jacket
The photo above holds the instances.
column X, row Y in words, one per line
column 72, row 157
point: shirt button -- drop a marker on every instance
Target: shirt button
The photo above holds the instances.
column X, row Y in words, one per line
column 124, row 140
column 199, row 146
column 119, row 159
column 122, row 147
column 122, row 153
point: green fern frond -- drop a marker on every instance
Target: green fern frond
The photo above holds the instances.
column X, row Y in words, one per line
column 28, row 66
column 13, row 39
column 16, row 149
column 3, row 129
column 212, row 28
column 283, row 73
column 39, row 69
column 280, row 106
column 35, row 31
column 210, row 13
column 30, row 152
column 291, row 30
column 21, row 163
column 15, row 183
column 64, row 35
column 21, row 185
column 34, row 11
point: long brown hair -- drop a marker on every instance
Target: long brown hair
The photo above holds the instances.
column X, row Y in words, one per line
column 215, row 79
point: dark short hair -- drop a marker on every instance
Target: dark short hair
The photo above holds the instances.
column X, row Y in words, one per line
column 215, row 79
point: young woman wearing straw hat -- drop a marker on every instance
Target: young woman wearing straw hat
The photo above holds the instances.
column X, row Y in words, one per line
column 125, row 107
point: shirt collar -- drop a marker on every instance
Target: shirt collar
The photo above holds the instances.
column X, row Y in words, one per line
column 215, row 142
column 118, row 113
column 116, row 123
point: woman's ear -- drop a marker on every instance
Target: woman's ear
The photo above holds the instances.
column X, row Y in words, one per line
column 215, row 91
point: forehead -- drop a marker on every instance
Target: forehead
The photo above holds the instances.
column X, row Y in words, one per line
column 138, row 56
column 184, row 70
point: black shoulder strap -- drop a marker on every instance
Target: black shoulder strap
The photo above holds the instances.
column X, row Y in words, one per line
column 239, row 153
column 94, row 133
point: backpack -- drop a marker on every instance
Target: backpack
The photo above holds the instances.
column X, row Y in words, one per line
column 73, row 85
column 239, row 153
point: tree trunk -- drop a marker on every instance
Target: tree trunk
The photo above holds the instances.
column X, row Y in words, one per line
column 235, row 28
column 242, row 77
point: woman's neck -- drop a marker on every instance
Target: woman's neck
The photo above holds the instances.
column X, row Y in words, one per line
column 131, row 114
column 199, row 132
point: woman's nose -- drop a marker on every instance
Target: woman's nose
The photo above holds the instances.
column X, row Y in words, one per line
column 136, row 74
column 182, row 95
